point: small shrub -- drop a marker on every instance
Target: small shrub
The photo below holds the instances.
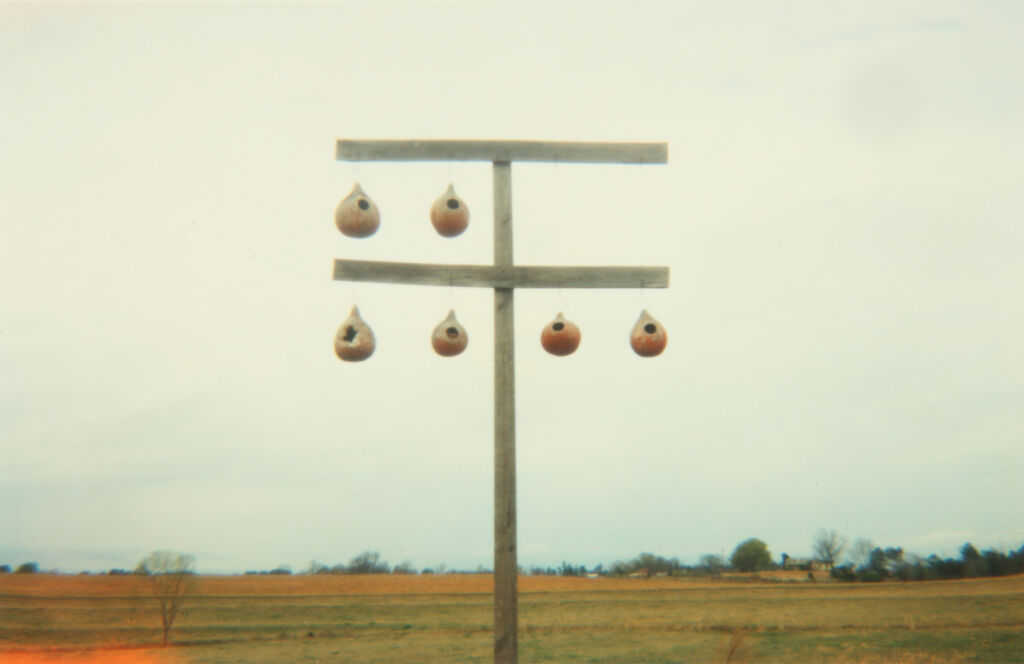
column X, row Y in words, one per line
column 844, row 573
column 870, row 576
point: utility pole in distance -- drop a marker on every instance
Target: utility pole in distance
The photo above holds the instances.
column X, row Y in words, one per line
column 504, row 277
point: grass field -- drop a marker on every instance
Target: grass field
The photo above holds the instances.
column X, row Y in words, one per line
column 392, row 619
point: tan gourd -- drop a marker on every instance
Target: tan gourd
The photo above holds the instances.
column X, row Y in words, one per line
column 354, row 340
column 357, row 215
column 560, row 336
column 449, row 338
column 449, row 213
column 649, row 337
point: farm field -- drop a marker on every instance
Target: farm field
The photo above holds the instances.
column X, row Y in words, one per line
column 395, row 618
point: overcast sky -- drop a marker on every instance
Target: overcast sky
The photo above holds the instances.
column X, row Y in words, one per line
column 841, row 214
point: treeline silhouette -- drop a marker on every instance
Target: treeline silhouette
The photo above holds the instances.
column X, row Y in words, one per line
column 893, row 563
column 873, row 565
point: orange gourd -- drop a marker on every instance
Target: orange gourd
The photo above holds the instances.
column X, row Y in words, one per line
column 560, row 336
column 648, row 337
column 449, row 214
column 449, row 338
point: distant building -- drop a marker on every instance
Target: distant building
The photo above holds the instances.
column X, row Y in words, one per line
column 806, row 564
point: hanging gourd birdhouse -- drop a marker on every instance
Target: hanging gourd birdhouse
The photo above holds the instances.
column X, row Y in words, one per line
column 560, row 337
column 649, row 337
column 449, row 337
column 357, row 215
column 354, row 341
column 449, row 213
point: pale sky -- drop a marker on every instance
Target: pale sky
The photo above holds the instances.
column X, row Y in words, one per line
column 841, row 214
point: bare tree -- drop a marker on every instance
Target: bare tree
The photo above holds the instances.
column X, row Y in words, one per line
column 712, row 564
column 828, row 546
column 169, row 576
column 860, row 553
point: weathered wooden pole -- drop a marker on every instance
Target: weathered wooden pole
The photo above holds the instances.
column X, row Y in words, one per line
column 504, row 277
column 506, row 566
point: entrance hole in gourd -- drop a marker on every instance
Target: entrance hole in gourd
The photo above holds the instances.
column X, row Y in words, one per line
column 452, row 332
column 453, row 204
column 650, row 328
column 558, row 327
column 363, row 204
column 354, row 341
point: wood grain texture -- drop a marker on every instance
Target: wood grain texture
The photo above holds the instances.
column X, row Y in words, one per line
column 501, row 276
column 501, row 151
column 506, row 554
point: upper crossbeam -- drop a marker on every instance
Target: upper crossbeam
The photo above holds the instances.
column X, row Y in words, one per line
column 502, row 151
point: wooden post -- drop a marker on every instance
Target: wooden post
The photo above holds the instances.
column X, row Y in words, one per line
column 506, row 566
column 504, row 277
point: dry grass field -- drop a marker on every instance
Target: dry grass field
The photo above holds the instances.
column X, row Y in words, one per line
column 401, row 619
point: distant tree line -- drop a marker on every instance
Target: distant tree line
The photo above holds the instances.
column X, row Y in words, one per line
column 892, row 563
column 279, row 570
column 33, row 568
column 368, row 562
column 565, row 569
column 24, row 568
column 646, row 564
column 864, row 562
column 860, row 561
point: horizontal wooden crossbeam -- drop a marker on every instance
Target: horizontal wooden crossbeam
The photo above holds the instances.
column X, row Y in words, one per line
column 489, row 276
column 502, row 151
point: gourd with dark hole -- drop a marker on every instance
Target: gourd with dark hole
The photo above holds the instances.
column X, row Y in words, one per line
column 649, row 337
column 560, row 337
column 354, row 341
column 449, row 338
column 449, row 213
column 357, row 215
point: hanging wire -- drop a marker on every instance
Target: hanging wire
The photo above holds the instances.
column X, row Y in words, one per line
column 641, row 298
column 560, row 303
column 353, row 293
column 354, row 171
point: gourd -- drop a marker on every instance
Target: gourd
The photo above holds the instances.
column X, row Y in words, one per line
column 648, row 337
column 357, row 215
column 449, row 338
column 354, row 340
column 560, row 336
column 449, row 213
